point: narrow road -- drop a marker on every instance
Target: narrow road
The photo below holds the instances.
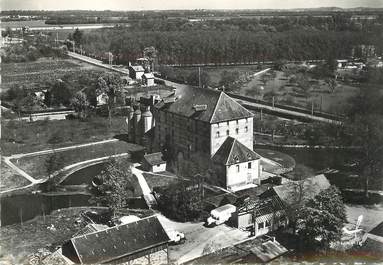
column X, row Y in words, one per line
column 146, row 192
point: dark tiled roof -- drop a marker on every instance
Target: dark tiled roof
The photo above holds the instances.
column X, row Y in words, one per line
column 377, row 230
column 119, row 241
column 233, row 152
column 154, row 158
column 219, row 106
column 290, row 192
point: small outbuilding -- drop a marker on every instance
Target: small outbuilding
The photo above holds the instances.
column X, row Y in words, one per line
column 148, row 79
column 136, row 72
column 154, row 162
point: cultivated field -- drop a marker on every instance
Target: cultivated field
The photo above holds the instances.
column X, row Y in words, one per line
column 35, row 75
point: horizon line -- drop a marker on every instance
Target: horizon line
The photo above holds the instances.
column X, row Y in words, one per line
column 200, row 9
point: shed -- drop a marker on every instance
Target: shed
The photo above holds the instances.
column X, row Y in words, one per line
column 154, row 162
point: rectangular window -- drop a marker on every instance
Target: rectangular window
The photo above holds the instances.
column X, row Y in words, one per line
column 247, row 120
column 261, row 225
column 246, row 129
column 237, row 122
column 217, row 134
column 236, row 131
column 227, row 132
column 249, row 165
column 268, row 223
column 227, row 123
column 237, row 168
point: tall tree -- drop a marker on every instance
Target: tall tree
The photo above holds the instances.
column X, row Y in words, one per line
column 80, row 103
column 109, row 85
column 321, row 219
column 365, row 126
column 52, row 164
column 118, row 184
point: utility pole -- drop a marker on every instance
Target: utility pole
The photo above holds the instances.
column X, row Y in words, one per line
column 312, row 108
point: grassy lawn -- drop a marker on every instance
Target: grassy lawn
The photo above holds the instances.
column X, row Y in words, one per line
column 138, row 92
column 35, row 165
column 10, row 179
column 215, row 72
column 23, row 137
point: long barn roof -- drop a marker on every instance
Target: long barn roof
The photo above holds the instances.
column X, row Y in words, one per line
column 119, row 241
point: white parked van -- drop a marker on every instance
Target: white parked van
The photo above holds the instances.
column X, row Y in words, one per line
column 221, row 214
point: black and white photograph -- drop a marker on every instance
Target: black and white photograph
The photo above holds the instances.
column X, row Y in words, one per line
column 191, row 132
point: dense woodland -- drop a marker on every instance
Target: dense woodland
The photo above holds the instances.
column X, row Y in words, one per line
column 239, row 40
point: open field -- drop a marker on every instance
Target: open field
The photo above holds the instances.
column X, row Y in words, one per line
column 287, row 92
column 22, row 137
column 35, row 165
column 34, row 75
column 10, row 179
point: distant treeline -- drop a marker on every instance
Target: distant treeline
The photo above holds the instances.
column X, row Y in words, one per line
column 237, row 40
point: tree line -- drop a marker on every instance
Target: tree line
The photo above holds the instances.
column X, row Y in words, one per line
column 184, row 46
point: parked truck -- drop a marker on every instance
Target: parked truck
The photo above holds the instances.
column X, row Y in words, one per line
column 221, row 214
column 175, row 236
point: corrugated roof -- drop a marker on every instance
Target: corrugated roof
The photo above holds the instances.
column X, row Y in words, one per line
column 219, row 106
column 119, row 241
column 233, row 152
column 301, row 191
column 154, row 159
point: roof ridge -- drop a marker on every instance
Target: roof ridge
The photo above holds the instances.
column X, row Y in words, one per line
column 215, row 107
column 237, row 103
column 231, row 149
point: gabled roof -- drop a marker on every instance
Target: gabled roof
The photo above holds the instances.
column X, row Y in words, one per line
column 301, row 191
column 233, row 152
column 154, row 159
column 119, row 241
column 219, row 106
column 137, row 68
column 149, row 75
